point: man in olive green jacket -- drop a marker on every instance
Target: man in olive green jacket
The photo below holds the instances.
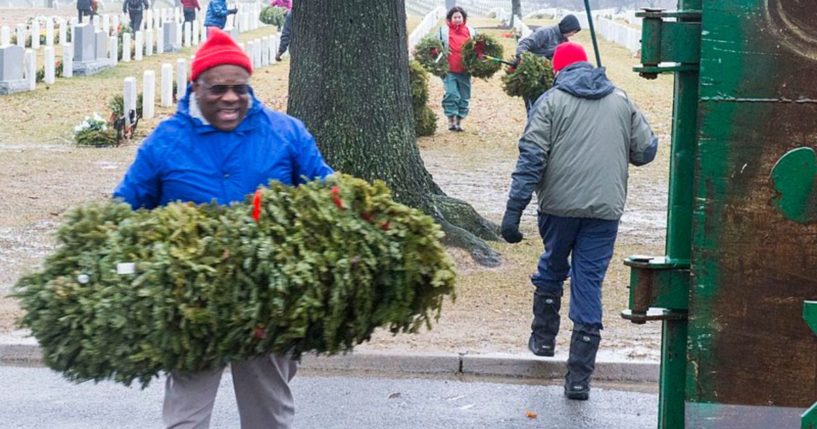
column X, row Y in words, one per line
column 574, row 153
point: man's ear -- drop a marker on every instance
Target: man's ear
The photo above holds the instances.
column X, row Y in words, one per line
column 195, row 86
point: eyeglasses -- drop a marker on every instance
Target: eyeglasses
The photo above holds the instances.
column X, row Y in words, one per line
column 219, row 90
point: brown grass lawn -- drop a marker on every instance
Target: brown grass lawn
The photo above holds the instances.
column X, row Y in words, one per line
column 42, row 175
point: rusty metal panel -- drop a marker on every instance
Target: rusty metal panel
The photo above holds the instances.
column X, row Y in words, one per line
column 752, row 267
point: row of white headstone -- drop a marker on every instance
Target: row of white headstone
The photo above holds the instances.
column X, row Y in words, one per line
column 245, row 20
column 261, row 51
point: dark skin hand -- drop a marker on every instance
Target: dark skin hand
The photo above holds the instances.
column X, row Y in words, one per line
column 222, row 96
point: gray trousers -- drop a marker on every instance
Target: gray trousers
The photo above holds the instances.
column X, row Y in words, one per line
column 261, row 390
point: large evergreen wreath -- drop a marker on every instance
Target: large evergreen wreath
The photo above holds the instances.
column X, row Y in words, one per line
column 128, row 294
column 482, row 55
column 273, row 15
column 531, row 78
column 431, row 54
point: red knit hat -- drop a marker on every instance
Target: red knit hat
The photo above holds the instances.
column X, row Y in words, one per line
column 218, row 50
column 566, row 54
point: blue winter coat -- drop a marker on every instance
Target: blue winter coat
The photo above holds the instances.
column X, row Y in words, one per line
column 185, row 160
column 216, row 14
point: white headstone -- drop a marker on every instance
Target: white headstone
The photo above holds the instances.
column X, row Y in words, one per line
column 12, row 63
column 48, row 58
column 126, row 47
column 35, row 34
column 177, row 14
column 202, row 33
column 195, row 33
column 63, row 30
column 276, row 43
column 149, row 42
column 139, row 44
column 160, row 41
column 188, row 34
column 129, row 98
column 96, row 25
column 5, row 35
column 149, row 94
column 101, row 45
column 179, row 31
column 265, row 51
column 115, row 23
column 31, row 69
column 181, row 77
column 149, row 19
column 106, row 23
column 113, row 49
column 49, row 32
column 167, row 85
column 21, row 35
column 73, row 26
column 251, row 53
column 256, row 53
column 67, row 60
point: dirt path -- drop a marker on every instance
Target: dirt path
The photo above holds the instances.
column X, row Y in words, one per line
column 42, row 176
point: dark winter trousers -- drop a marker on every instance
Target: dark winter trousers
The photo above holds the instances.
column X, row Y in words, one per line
column 589, row 245
column 135, row 20
column 189, row 14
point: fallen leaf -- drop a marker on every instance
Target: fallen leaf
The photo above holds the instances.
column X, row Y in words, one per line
column 531, row 415
column 394, row 395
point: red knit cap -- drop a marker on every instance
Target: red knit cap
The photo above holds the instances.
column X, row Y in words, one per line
column 218, row 50
column 566, row 54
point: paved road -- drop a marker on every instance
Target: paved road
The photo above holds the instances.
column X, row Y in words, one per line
column 40, row 398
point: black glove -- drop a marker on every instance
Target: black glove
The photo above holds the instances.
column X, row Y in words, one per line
column 510, row 225
column 233, row 11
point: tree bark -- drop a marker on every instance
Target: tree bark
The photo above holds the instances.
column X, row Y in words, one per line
column 349, row 83
column 516, row 10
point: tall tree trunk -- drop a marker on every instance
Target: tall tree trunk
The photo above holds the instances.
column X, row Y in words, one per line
column 516, row 10
column 349, row 83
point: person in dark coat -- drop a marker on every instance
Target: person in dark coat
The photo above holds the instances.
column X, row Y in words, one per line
column 544, row 40
column 84, row 9
column 135, row 10
column 286, row 36
column 581, row 136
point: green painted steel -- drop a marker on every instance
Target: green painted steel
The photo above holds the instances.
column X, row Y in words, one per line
column 673, row 366
column 592, row 32
column 793, row 176
column 665, row 282
column 754, row 264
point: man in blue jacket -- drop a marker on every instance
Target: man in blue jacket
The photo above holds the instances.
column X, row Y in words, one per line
column 216, row 16
column 221, row 145
column 580, row 137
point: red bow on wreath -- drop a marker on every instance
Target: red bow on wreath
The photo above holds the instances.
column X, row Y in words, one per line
column 479, row 49
column 434, row 52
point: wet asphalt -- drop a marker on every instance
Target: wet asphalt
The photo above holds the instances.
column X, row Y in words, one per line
column 41, row 398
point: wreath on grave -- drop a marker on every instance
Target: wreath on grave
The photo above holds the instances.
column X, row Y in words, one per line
column 431, row 54
column 314, row 268
column 482, row 56
column 530, row 78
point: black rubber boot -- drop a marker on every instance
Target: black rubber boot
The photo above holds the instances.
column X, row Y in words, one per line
column 545, row 324
column 452, row 123
column 584, row 343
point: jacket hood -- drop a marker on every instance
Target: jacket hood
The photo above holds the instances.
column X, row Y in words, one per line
column 193, row 113
column 584, row 81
